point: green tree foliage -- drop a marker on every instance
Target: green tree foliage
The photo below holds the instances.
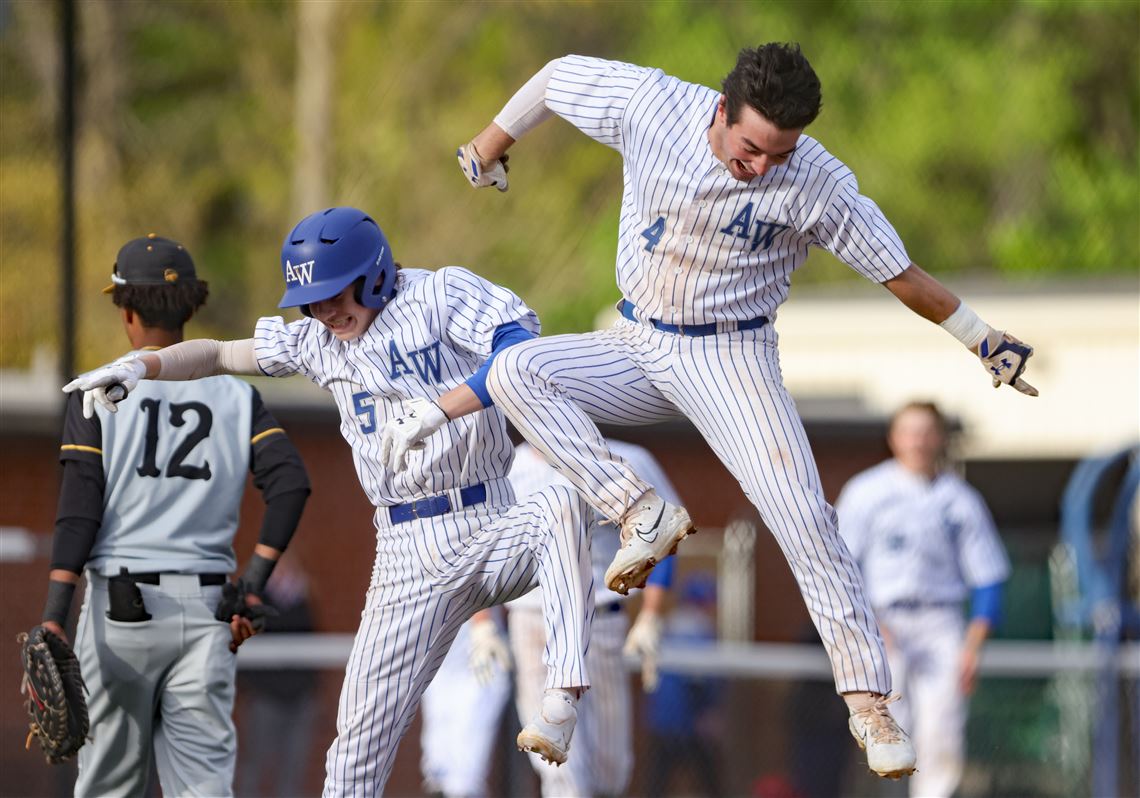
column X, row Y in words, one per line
column 1000, row 138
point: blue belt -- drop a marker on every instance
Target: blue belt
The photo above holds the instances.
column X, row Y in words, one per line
column 626, row 307
column 917, row 604
column 436, row 505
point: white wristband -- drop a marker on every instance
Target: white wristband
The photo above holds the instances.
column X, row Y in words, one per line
column 965, row 325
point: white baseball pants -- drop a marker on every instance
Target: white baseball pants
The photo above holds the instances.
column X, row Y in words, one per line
column 430, row 576
column 729, row 385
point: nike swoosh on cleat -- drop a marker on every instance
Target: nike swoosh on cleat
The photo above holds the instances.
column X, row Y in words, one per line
column 654, row 528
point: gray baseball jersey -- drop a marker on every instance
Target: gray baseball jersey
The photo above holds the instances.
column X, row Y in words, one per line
column 175, row 459
column 173, row 462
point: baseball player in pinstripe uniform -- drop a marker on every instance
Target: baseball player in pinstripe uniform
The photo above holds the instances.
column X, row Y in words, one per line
column 149, row 506
column 462, row 706
column 925, row 540
column 603, row 741
column 723, row 196
column 405, row 353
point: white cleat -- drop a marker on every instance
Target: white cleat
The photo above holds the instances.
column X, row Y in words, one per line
column 889, row 751
column 650, row 532
column 548, row 733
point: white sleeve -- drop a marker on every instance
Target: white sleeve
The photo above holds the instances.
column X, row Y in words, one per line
column 980, row 550
column 854, row 229
column 854, row 523
column 283, row 349
column 527, row 109
column 592, row 94
column 474, row 308
column 201, row 357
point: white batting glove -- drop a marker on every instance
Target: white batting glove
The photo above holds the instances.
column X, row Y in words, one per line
column 94, row 384
column 489, row 652
column 644, row 641
column 1004, row 358
column 481, row 173
column 400, row 435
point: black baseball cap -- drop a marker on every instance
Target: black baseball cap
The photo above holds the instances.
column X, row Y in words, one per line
column 152, row 260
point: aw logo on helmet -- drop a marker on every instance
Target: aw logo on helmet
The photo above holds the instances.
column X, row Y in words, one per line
column 302, row 273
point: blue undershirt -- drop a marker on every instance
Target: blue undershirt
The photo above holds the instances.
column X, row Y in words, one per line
column 985, row 602
column 505, row 335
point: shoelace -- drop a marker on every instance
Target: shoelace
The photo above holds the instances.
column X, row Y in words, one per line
column 880, row 724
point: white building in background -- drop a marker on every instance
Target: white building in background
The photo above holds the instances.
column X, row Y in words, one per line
column 866, row 346
column 856, row 352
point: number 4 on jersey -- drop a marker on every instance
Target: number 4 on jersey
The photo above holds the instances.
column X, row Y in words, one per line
column 653, row 233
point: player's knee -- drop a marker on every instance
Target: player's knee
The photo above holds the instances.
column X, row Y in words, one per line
column 502, row 375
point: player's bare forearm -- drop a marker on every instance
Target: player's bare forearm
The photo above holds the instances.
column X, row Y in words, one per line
column 923, row 294
column 63, row 575
column 653, row 599
column 493, row 142
column 459, row 401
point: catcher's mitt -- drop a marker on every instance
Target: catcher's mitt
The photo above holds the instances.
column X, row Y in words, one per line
column 57, row 708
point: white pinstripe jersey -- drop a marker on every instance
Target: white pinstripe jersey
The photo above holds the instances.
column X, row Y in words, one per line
column 695, row 245
column 430, row 338
column 917, row 540
column 531, row 473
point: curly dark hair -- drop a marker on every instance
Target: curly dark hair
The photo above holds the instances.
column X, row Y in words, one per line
column 776, row 80
column 165, row 306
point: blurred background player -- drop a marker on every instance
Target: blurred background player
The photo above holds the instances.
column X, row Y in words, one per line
column 925, row 541
column 277, row 707
column 603, row 743
column 724, row 196
column 405, row 354
column 149, row 506
column 462, row 708
column 682, row 715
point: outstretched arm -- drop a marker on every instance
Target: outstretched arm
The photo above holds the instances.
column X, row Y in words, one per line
column 189, row 360
column 1003, row 356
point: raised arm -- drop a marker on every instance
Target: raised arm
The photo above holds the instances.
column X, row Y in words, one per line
column 484, row 159
column 1003, row 356
column 189, row 360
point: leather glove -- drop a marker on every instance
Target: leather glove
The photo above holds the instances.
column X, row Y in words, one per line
column 400, row 435
column 1004, row 358
column 481, row 173
column 95, row 384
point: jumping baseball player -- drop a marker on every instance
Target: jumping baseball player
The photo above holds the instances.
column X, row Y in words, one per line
column 463, row 706
column 405, row 353
column 723, row 196
column 925, row 540
column 149, row 507
column 603, row 740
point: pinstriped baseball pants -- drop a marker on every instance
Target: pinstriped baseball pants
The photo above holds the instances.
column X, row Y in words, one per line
column 430, row 576
column 730, row 387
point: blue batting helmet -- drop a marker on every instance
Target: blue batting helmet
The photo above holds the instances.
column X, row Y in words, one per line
column 330, row 250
